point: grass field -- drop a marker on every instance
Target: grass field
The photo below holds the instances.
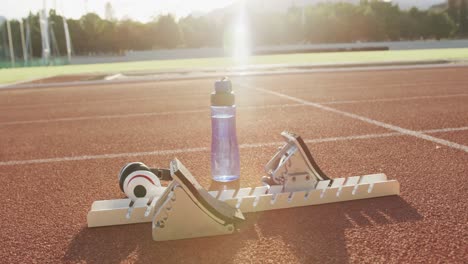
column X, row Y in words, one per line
column 23, row 74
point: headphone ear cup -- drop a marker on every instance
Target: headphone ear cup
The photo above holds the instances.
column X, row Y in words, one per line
column 142, row 184
column 128, row 169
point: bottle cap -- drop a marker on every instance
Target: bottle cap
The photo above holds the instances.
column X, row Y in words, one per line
column 223, row 94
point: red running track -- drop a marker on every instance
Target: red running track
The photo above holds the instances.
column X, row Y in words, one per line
column 55, row 160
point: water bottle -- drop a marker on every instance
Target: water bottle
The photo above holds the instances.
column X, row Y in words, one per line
column 225, row 163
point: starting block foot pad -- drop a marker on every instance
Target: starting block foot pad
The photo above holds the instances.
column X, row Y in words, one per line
column 190, row 211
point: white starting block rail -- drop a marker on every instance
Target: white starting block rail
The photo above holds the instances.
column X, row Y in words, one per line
column 342, row 189
column 121, row 212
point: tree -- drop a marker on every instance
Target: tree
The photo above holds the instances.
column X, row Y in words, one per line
column 269, row 29
column 370, row 20
column 168, row 32
column 198, row 31
column 441, row 25
column 77, row 36
column 463, row 18
column 453, row 9
column 56, row 26
column 294, row 24
column 92, row 26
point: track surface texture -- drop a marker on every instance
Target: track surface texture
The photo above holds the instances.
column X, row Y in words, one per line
column 61, row 149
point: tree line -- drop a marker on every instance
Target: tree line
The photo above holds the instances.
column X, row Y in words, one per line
column 369, row 20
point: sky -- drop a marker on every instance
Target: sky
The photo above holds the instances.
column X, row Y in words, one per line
column 142, row 10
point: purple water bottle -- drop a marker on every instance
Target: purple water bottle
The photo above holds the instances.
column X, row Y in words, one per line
column 225, row 164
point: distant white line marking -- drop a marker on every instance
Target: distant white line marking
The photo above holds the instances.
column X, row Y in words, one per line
column 393, row 99
column 445, row 130
column 120, row 100
column 371, row 121
column 80, row 118
column 64, row 119
column 201, row 149
column 103, row 156
column 177, row 151
column 112, row 77
column 368, row 136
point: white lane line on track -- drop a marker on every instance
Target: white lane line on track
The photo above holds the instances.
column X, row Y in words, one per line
column 376, row 100
column 401, row 130
column 112, row 77
column 81, row 118
column 64, row 119
column 177, row 151
column 201, row 149
column 323, row 86
column 103, row 156
column 445, row 130
column 84, row 102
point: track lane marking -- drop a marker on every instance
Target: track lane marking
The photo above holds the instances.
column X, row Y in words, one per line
column 113, row 77
column 401, row 130
column 65, row 119
column 146, row 114
column 120, row 100
column 393, row 99
column 446, row 130
column 87, row 102
column 202, row 149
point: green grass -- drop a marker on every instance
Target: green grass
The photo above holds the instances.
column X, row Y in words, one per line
column 23, row 74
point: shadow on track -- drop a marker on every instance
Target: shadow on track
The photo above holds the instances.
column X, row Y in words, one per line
column 316, row 234
column 313, row 234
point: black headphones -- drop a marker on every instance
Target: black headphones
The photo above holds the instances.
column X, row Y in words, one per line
column 137, row 180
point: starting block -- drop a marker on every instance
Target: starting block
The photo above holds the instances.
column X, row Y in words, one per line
column 184, row 209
